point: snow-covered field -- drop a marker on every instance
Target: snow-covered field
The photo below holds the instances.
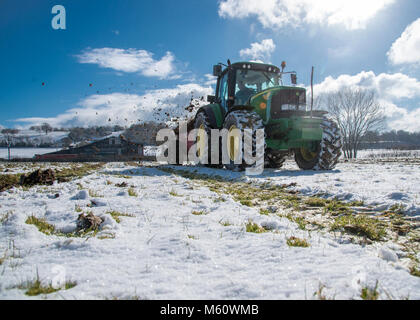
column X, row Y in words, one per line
column 24, row 152
column 183, row 241
column 380, row 185
column 387, row 153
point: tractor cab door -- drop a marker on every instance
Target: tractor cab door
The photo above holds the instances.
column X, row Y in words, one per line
column 223, row 91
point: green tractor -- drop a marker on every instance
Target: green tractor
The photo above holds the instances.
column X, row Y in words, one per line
column 251, row 95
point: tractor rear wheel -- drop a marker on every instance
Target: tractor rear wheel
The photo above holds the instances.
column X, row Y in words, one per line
column 241, row 119
column 326, row 154
column 307, row 159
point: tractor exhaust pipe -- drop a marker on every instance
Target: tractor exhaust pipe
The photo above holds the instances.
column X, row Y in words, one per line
column 312, row 90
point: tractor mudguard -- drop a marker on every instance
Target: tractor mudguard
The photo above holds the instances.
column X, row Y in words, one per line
column 215, row 114
column 235, row 108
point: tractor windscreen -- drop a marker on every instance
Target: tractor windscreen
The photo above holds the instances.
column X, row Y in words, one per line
column 250, row 82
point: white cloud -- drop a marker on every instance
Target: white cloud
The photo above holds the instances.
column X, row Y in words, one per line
column 210, row 80
column 406, row 49
column 127, row 109
column 390, row 89
column 259, row 50
column 407, row 120
column 389, row 86
column 131, row 60
column 352, row 15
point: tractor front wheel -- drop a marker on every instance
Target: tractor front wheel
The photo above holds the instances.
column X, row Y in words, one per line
column 202, row 123
column 241, row 120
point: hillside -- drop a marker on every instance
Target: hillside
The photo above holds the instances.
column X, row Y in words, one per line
column 32, row 138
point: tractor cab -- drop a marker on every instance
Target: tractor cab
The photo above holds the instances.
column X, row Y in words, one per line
column 239, row 82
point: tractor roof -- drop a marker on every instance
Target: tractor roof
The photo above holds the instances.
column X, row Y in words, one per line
column 256, row 66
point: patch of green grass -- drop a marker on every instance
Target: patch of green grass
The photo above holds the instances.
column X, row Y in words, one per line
column 414, row 271
column 49, row 229
column 132, row 192
column 8, row 181
column 300, row 221
column 315, row 202
column 399, row 225
column 77, row 171
column 192, row 237
column 337, row 207
column 360, row 226
column 397, row 208
column 78, row 209
column 42, row 225
column 297, row 242
column 199, row 213
column 254, row 228
column 116, row 215
column 35, row 288
column 292, row 201
column 369, row 293
column 70, row 284
column 242, row 192
column 247, row 203
column 356, row 204
column 264, row 212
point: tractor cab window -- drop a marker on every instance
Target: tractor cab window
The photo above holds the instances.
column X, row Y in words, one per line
column 223, row 91
column 250, row 82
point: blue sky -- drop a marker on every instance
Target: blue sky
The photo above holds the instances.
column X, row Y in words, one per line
column 117, row 55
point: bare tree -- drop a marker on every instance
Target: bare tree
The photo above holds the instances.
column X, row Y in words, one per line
column 36, row 128
column 356, row 112
column 46, row 128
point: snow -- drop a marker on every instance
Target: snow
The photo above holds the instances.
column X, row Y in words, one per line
column 165, row 252
column 24, row 152
column 81, row 195
column 380, row 185
column 388, row 255
column 36, row 138
column 114, row 134
column 387, row 153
